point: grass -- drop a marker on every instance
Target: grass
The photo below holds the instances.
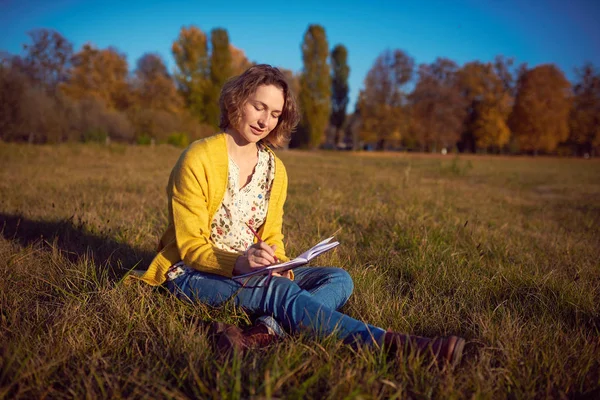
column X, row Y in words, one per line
column 502, row 251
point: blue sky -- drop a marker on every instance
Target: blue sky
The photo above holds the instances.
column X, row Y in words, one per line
column 533, row 31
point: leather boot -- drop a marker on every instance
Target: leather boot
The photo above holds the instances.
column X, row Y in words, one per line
column 442, row 350
column 231, row 338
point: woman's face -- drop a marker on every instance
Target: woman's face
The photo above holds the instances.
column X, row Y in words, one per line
column 260, row 113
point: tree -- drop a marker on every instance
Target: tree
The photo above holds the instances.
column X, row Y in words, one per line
column 192, row 75
column 154, row 87
column 220, row 71
column 102, row 74
column 488, row 101
column 584, row 119
column 506, row 71
column 13, row 84
column 159, row 106
column 437, row 107
column 490, row 127
column 29, row 113
column 384, row 99
column 47, row 58
column 315, row 86
column 339, row 88
column 94, row 121
column 293, row 80
column 540, row 116
column 353, row 126
column 239, row 61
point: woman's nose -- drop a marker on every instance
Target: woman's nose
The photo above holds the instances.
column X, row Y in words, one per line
column 263, row 120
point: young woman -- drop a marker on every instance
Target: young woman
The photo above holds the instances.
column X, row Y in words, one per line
column 221, row 187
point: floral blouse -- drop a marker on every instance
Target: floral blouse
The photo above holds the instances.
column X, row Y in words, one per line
column 247, row 205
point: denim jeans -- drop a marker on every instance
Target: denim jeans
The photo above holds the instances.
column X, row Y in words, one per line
column 307, row 303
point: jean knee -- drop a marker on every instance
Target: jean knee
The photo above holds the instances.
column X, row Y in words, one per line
column 280, row 292
column 343, row 282
column 348, row 283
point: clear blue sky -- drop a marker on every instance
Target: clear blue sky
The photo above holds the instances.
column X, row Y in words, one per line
column 566, row 32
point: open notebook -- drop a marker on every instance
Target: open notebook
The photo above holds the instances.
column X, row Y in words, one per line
column 302, row 259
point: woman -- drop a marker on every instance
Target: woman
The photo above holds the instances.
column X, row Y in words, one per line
column 223, row 186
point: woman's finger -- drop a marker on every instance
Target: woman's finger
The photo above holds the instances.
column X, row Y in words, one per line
column 264, row 254
column 257, row 259
column 264, row 259
column 265, row 247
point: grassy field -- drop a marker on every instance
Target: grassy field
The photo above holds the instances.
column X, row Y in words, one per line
column 502, row 251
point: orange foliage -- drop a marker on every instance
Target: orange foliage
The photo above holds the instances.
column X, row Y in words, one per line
column 239, row 62
column 488, row 104
column 101, row 74
column 540, row 115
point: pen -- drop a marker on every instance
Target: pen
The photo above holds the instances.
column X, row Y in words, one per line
column 259, row 238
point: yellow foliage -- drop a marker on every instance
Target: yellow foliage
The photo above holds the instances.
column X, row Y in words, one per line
column 490, row 104
column 490, row 128
column 541, row 113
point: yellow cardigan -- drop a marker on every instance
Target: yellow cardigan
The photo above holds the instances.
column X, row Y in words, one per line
column 195, row 191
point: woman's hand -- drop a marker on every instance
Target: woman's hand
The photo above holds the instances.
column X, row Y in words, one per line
column 259, row 255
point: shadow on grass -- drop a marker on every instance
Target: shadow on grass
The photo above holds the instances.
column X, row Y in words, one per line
column 75, row 242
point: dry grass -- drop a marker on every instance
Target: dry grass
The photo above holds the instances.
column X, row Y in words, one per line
column 503, row 251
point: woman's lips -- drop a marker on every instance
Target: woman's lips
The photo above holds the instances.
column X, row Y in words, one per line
column 257, row 131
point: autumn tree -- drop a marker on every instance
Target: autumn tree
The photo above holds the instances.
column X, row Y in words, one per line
column 99, row 84
column 29, row 112
column 339, row 89
column 540, row 116
column 354, row 124
column 383, row 101
column 315, row 86
column 158, row 105
column 155, row 88
column 100, row 73
column 13, row 116
column 96, row 121
column 239, row 61
column 584, row 121
column 293, row 80
column 508, row 72
column 220, row 71
column 47, row 58
column 437, row 107
column 43, row 120
column 488, row 101
column 192, row 74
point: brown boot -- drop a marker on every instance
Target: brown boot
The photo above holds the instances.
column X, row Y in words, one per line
column 443, row 350
column 215, row 329
column 232, row 338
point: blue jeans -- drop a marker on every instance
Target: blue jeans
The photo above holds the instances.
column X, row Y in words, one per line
column 309, row 302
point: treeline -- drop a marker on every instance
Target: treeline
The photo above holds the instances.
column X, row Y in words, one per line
column 51, row 94
column 479, row 107
column 494, row 107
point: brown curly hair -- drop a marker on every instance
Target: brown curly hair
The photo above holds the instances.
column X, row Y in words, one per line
column 236, row 91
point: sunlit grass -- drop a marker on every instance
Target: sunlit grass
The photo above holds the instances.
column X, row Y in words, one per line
column 503, row 251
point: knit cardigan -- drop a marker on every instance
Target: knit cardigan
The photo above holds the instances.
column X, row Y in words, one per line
column 195, row 191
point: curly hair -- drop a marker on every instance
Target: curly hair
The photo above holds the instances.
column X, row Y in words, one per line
column 236, row 91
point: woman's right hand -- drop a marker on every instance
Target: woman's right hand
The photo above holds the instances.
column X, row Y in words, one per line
column 259, row 255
